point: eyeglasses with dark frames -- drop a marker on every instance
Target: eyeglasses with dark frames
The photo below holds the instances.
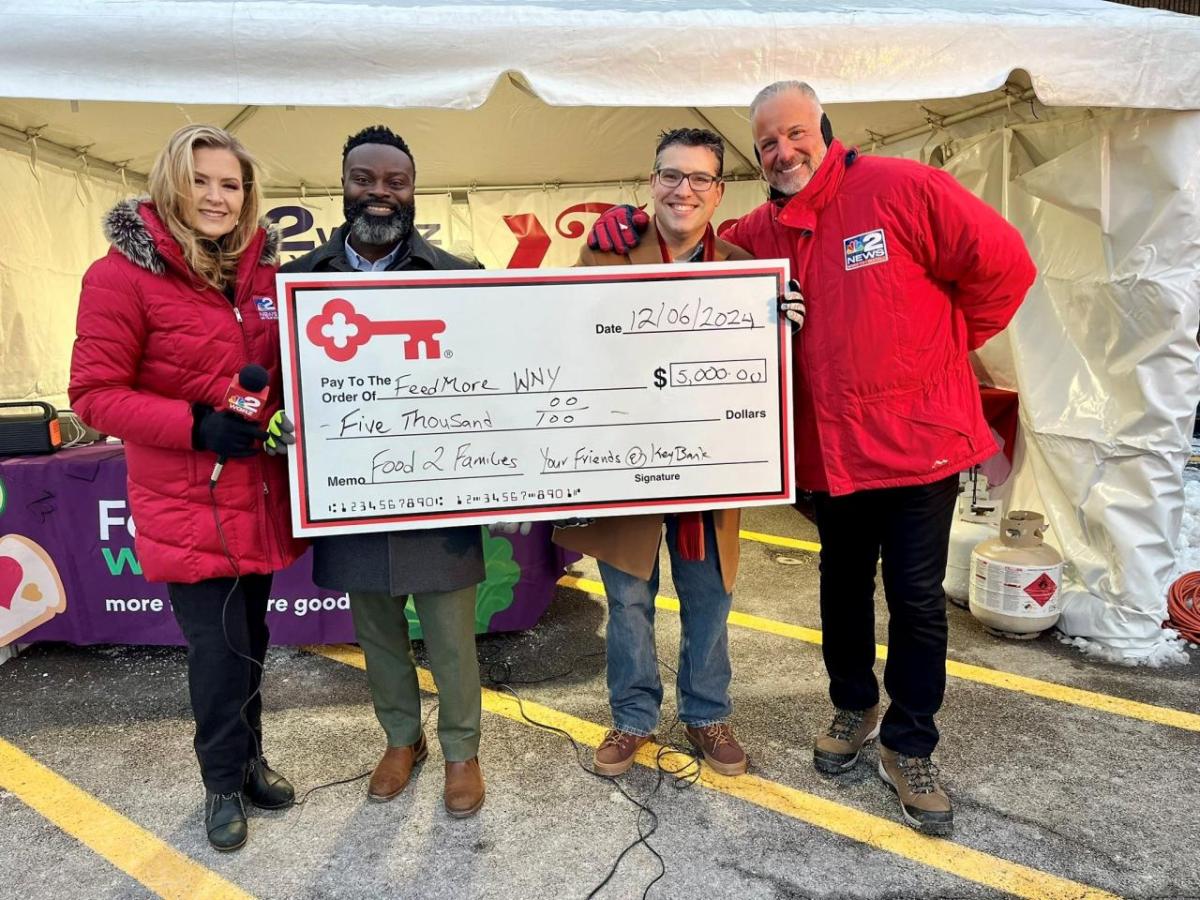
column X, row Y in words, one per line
column 700, row 181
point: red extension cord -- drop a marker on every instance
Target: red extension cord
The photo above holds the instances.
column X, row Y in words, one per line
column 1183, row 606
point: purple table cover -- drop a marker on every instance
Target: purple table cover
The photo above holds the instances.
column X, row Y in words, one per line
column 68, row 571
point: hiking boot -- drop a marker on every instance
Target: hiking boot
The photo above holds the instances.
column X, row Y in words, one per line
column 922, row 801
column 225, row 820
column 266, row 788
column 836, row 751
column 720, row 748
column 615, row 754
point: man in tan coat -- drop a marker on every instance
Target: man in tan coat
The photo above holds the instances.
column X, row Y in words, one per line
column 686, row 186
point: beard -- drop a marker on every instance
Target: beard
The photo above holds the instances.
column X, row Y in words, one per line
column 791, row 183
column 380, row 231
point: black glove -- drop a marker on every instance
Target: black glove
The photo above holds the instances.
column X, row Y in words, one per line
column 619, row 229
column 792, row 305
column 224, row 433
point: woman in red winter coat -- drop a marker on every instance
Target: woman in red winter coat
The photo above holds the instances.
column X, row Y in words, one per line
column 184, row 299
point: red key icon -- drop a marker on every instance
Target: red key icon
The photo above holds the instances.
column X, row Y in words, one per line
column 340, row 330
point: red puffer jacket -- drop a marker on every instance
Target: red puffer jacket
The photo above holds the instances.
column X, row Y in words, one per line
column 904, row 271
column 151, row 341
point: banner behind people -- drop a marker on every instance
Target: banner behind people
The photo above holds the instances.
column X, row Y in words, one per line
column 546, row 228
column 306, row 222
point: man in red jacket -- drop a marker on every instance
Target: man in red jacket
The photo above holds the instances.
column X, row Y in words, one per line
column 904, row 272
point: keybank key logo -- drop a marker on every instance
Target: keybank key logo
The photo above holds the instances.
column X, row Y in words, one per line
column 340, row 330
column 865, row 249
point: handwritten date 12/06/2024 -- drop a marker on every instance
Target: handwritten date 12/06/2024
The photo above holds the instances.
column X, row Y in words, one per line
column 697, row 316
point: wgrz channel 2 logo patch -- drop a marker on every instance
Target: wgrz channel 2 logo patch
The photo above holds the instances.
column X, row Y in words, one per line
column 865, row 249
column 266, row 308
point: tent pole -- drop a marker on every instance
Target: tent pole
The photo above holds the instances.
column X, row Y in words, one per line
column 70, row 157
column 241, row 118
column 1012, row 96
column 728, row 143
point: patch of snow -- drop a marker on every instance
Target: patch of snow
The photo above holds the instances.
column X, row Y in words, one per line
column 1188, row 558
column 1171, row 651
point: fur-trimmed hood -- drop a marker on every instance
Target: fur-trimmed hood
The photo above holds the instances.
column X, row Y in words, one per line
column 126, row 230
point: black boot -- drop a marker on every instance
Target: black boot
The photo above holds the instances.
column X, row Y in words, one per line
column 225, row 820
column 265, row 787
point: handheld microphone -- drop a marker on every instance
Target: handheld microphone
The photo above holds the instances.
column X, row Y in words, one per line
column 246, row 397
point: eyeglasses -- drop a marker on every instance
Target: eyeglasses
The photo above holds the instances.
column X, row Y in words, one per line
column 700, row 181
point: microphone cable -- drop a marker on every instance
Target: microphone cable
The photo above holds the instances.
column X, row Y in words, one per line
column 245, row 719
column 237, row 578
column 681, row 778
column 499, row 676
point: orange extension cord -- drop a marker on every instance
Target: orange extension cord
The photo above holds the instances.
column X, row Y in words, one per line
column 1183, row 606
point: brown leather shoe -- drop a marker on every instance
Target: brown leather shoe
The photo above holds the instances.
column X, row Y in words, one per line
column 721, row 750
column 394, row 770
column 615, row 754
column 464, row 788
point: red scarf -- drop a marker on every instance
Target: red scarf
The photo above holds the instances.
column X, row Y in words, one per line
column 691, row 524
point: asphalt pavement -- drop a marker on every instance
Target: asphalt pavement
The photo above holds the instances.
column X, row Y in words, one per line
column 1070, row 777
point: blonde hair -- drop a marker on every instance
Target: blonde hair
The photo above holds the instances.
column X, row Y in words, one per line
column 171, row 181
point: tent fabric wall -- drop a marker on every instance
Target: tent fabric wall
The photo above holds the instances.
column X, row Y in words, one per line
column 49, row 234
column 1103, row 353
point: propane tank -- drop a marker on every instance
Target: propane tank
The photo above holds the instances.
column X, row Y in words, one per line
column 1016, row 579
column 976, row 519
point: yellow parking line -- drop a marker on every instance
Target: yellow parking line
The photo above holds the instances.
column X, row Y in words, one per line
column 884, row 834
column 1047, row 690
column 159, row 867
column 776, row 540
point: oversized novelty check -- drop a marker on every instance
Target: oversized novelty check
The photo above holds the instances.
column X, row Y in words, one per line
column 436, row 398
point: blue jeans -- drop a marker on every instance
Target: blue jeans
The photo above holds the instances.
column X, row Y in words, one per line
column 702, row 688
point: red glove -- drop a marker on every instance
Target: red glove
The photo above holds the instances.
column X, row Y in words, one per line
column 619, row 229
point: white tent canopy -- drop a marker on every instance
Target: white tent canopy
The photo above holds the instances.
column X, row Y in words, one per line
column 1078, row 120
column 592, row 53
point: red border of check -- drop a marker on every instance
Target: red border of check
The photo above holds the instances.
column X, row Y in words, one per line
column 487, row 279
